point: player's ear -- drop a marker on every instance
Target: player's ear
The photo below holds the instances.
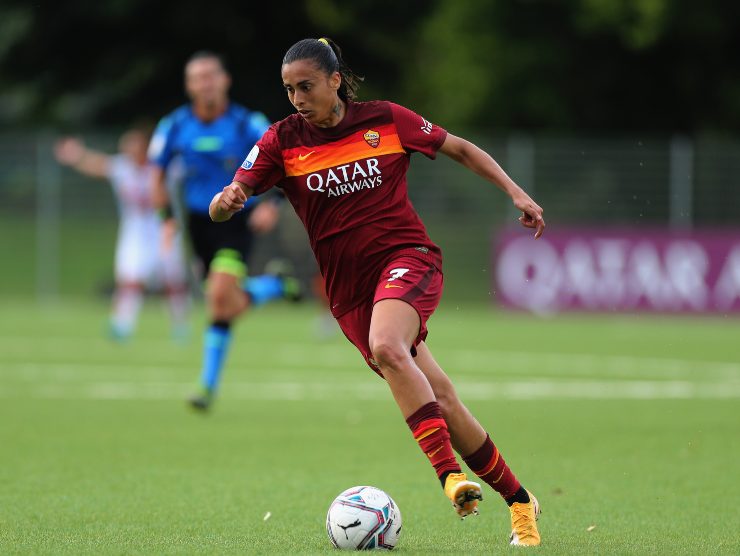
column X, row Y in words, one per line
column 335, row 81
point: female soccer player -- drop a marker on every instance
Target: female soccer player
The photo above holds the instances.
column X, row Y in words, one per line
column 139, row 259
column 342, row 165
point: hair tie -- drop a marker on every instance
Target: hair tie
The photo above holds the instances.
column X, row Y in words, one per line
column 322, row 39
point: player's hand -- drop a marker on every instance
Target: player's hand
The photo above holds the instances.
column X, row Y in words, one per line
column 264, row 217
column 227, row 203
column 531, row 214
column 69, row 151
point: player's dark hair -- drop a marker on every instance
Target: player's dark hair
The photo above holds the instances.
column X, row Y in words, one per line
column 208, row 55
column 144, row 126
column 328, row 56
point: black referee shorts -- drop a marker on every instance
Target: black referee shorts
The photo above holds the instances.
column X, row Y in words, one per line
column 207, row 236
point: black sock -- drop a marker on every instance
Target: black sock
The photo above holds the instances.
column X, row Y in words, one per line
column 222, row 324
column 521, row 496
column 443, row 477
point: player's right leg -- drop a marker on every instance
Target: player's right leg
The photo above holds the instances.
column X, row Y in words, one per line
column 276, row 283
column 394, row 328
column 472, row 442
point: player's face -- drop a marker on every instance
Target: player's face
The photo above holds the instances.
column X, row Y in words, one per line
column 311, row 90
column 206, row 81
column 134, row 144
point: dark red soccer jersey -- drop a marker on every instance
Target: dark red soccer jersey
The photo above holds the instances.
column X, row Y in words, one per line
column 348, row 186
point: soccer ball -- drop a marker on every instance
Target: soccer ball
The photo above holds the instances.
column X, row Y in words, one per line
column 363, row 518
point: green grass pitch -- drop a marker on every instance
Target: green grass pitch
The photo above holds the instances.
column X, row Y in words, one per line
column 627, row 428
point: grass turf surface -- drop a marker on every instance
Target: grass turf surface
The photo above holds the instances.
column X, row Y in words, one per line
column 628, row 424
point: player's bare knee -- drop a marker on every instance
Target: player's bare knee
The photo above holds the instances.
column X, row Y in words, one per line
column 389, row 355
column 218, row 300
column 222, row 304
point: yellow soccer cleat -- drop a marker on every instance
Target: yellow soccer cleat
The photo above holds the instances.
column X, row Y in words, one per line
column 524, row 522
column 464, row 494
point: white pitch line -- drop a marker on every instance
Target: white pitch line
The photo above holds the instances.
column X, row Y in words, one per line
column 487, row 361
column 493, row 364
column 332, row 356
column 90, row 371
column 589, row 364
column 378, row 391
column 327, row 354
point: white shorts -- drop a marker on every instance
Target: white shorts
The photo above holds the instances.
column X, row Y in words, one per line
column 140, row 256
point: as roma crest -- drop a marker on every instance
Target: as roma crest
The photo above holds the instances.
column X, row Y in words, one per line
column 372, row 138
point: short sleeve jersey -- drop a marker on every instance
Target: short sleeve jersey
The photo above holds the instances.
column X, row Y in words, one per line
column 348, row 186
column 210, row 151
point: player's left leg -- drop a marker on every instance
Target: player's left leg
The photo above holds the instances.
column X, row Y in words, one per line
column 225, row 300
column 131, row 273
column 229, row 293
column 178, row 300
column 127, row 300
column 169, row 265
column 472, row 442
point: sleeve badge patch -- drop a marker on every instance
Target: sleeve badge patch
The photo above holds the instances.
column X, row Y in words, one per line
column 426, row 126
column 251, row 157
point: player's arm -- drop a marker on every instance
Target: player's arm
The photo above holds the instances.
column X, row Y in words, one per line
column 73, row 153
column 160, row 194
column 476, row 159
column 230, row 201
column 160, row 153
column 163, row 205
column 260, row 171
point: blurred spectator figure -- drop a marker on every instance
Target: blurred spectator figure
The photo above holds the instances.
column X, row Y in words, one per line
column 140, row 259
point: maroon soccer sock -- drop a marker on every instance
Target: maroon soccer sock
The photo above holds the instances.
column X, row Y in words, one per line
column 489, row 465
column 430, row 431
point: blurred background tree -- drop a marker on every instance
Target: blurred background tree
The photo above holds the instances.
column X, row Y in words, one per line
column 663, row 65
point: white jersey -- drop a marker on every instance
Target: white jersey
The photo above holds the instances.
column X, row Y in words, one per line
column 139, row 253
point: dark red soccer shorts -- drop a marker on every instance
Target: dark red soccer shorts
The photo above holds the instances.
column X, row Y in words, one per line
column 408, row 278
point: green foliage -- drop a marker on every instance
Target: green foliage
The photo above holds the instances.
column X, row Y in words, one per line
column 638, row 23
column 582, row 64
column 457, row 59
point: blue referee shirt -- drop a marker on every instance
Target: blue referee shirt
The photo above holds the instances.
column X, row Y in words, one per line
column 211, row 151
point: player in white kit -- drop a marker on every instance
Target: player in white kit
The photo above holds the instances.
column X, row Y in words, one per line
column 142, row 258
